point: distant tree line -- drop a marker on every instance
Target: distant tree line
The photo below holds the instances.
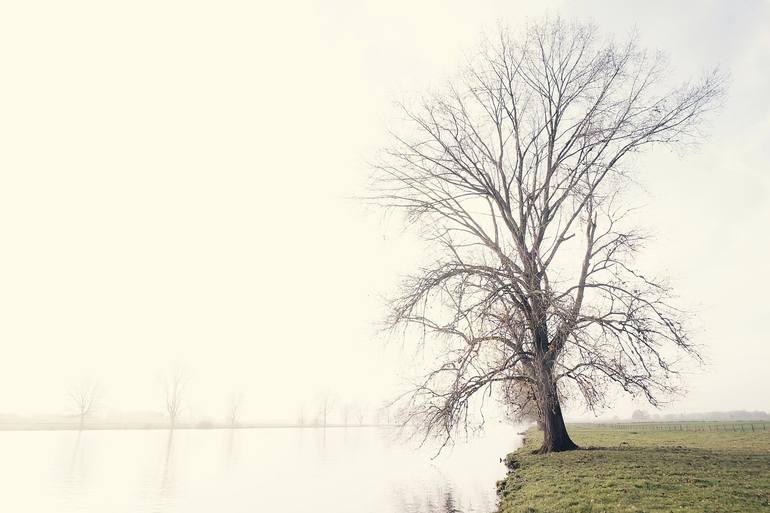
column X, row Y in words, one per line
column 86, row 399
column 643, row 416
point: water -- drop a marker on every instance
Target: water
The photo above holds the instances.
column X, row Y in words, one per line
column 361, row 470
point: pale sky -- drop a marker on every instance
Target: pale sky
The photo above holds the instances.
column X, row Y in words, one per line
column 174, row 180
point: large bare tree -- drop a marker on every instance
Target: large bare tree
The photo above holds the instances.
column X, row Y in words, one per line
column 515, row 171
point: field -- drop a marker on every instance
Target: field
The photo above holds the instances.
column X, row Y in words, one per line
column 690, row 467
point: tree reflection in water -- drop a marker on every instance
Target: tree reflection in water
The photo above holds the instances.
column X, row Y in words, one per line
column 449, row 504
column 442, row 502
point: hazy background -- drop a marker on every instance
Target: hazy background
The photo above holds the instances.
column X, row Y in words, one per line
column 174, row 175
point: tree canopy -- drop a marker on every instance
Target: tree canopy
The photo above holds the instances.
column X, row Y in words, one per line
column 515, row 172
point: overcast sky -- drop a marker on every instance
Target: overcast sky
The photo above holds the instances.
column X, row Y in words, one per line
column 174, row 175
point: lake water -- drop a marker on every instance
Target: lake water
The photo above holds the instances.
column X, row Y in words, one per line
column 337, row 470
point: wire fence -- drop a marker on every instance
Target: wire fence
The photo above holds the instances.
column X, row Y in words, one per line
column 706, row 426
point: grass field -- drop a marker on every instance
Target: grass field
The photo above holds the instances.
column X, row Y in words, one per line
column 679, row 467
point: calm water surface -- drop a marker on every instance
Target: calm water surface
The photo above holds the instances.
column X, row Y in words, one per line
column 361, row 470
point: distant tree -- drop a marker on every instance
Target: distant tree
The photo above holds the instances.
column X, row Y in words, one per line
column 385, row 413
column 174, row 388
column 515, row 172
column 345, row 411
column 360, row 414
column 640, row 415
column 234, row 410
column 325, row 409
column 84, row 397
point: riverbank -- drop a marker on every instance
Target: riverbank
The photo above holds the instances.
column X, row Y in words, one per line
column 688, row 468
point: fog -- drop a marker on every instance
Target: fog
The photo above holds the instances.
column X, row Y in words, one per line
column 176, row 184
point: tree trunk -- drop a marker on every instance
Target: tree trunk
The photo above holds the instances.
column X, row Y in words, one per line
column 555, row 436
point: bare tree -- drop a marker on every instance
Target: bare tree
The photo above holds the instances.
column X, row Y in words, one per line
column 84, row 396
column 360, row 413
column 516, row 173
column 234, row 410
column 326, row 406
column 173, row 387
column 385, row 413
column 346, row 410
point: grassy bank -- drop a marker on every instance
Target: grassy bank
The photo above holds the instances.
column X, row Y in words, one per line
column 647, row 468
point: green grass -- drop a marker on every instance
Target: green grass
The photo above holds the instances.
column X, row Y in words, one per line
column 644, row 469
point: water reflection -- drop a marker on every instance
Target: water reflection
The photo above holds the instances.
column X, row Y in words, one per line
column 164, row 498
column 230, row 451
column 442, row 500
column 76, row 471
column 245, row 470
column 449, row 504
column 167, row 479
